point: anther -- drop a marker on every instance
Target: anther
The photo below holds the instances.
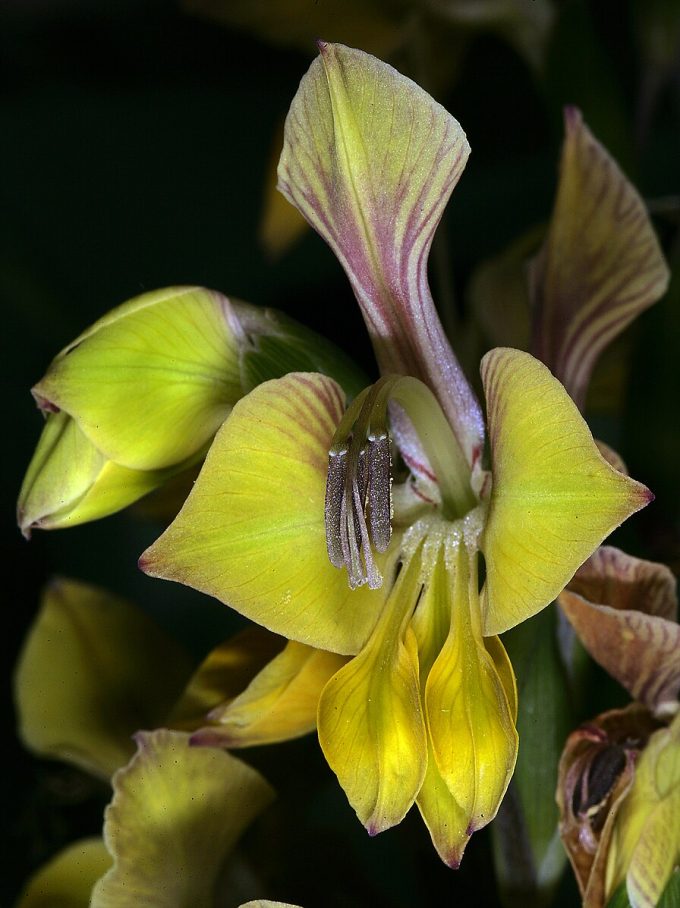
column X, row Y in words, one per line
column 359, row 490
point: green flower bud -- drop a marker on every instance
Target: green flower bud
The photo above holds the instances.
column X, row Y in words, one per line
column 140, row 394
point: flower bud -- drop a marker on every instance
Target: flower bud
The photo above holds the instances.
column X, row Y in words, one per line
column 140, row 394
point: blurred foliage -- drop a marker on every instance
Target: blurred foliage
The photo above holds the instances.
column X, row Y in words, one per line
column 137, row 138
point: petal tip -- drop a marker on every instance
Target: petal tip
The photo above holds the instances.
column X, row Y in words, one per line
column 572, row 117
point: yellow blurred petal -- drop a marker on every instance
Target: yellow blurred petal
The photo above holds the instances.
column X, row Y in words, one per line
column 223, row 674
column 298, row 23
column 93, row 670
column 370, row 159
column 554, row 497
column 469, row 718
column 370, row 720
column 175, row 815
column 601, row 264
column 67, row 879
column 281, row 223
column 252, row 531
column 279, row 703
column 151, row 382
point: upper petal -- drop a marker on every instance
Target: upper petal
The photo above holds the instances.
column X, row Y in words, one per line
column 554, row 497
column 371, row 160
column 252, row 533
column 600, row 266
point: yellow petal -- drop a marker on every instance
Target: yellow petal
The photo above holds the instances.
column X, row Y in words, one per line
column 176, row 813
column 279, row 703
column 151, row 382
column 470, row 720
column 296, row 23
column 446, row 821
column 93, row 670
column 69, row 481
column 370, row 721
column 67, row 879
column 223, row 674
column 600, row 266
column 370, row 159
column 554, row 497
column 281, row 224
column 252, row 531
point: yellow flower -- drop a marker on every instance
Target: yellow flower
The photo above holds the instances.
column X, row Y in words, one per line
column 438, row 552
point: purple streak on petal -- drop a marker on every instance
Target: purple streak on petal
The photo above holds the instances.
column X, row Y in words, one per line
column 382, row 232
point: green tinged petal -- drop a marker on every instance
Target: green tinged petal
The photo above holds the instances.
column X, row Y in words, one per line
column 79, row 676
column 371, row 159
column 252, row 531
column 370, row 721
column 151, row 381
column 554, row 497
column 601, row 264
column 175, row 815
column 279, row 703
column 69, row 481
column 67, row 879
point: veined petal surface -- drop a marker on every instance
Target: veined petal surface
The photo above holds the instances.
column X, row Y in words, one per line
column 370, row 159
column 175, row 814
column 151, row 381
column 554, row 497
column 600, row 266
column 252, row 531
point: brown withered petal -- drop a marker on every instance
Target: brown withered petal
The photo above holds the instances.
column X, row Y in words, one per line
column 622, row 609
column 595, row 773
column 611, row 577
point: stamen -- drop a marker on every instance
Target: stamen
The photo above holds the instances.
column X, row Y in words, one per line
column 359, row 483
column 335, row 484
column 380, row 491
column 359, row 488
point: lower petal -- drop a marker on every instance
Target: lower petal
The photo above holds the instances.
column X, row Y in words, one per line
column 371, row 726
column 470, row 720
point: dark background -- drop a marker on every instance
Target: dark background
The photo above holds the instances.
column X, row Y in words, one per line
column 134, row 142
